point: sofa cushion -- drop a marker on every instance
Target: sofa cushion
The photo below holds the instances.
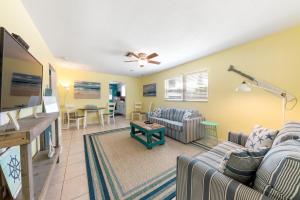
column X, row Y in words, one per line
column 187, row 115
column 167, row 113
column 214, row 157
column 155, row 119
column 278, row 176
column 156, row 112
column 172, row 124
column 291, row 130
column 178, row 115
column 241, row 164
column 167, row 123
column 260, row 138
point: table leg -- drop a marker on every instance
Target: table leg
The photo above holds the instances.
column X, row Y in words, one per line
column 132, row 132
column 85, row 119
column 26, row 171
column 149, row 140
column 101, row 117
column 57, row 137
column 162, row 136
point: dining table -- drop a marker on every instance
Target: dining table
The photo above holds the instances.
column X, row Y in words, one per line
column 97, row 110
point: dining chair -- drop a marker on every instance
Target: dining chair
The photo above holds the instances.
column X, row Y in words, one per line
column 137, row 110
column 72, row 115
column 111, row 112
column 149, row 110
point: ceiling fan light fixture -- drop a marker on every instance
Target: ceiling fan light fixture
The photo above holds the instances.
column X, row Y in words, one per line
column 142, row 62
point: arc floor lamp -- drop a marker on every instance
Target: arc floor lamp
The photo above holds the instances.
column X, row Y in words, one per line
column 251, row 81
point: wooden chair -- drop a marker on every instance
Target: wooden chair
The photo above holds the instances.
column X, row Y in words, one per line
column 111, row 112
column 137, row 110
column 72, row 115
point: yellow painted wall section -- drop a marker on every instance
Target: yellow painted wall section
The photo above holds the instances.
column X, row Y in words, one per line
column 14, row 17
column 275, row 59
column 68, row 76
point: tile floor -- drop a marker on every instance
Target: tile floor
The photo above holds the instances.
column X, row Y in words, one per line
column 69, row 181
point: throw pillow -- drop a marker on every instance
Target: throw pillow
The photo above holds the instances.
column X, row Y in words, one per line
column 187, row 115
column 241, row 164
column 157, row 112
column 291, row 130
column 278, row 176
column 260, row 137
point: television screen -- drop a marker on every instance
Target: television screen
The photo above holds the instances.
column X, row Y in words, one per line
column 21, row 75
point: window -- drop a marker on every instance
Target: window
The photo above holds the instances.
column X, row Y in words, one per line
column 174, row 88
column 110, row 94
column 196, row 86
column 190, row 87
column 123, row 91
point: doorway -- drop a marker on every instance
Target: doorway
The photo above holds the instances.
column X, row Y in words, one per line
column 117, row 94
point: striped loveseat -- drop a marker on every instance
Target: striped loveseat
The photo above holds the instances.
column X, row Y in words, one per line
column 177, row 126
column 277, row 178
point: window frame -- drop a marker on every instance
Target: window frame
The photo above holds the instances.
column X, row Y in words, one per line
column 170, row 99
column 184, row 87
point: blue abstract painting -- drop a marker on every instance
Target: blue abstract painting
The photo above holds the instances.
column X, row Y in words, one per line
column 87, row 90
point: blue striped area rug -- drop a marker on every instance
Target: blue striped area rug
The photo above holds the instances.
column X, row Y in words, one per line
column 119, row 167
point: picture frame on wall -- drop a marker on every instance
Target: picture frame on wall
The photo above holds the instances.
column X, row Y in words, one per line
column 149, row 90
column 87, row 90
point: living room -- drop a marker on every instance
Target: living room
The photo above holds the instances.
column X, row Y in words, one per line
column 150, row 101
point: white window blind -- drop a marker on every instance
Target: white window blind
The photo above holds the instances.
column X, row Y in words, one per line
column 190, row 87
column 123, row 91
column 174, row 88
column 196, row 86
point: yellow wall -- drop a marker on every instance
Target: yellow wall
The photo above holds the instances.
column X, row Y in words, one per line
column 68, row 76
column 14, row 17
column 275, row 59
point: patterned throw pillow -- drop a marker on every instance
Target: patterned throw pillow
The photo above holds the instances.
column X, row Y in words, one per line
column 260, row 137
column 157, row 112
column 241, row 164
column 291, row 130
column 187, row 115
column 278, row 176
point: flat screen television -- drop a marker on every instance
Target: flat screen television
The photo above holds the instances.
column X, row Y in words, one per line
column 21, row 75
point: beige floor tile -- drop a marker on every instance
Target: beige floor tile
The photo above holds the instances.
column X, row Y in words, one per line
column 66, row 137
column 76, row 150
column 75, row 158
column 83, row 197
column 54, row 191
column 75, row 187
column 69, row 180
column 58, row 175
column 75, row 170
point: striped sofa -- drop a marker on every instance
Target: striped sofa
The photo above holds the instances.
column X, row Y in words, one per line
column 178, row 128
column 199, row 179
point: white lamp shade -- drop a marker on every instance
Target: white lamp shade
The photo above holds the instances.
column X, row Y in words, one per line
column 244, row 87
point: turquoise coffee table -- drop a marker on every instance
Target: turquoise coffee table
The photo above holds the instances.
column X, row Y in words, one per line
column 154, row 134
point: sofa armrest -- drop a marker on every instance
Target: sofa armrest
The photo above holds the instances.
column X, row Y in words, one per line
column 148, row 114
column 192, row 130
column 198, row 180
column 238, row 138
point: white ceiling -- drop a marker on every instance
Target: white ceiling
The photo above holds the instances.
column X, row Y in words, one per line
column 95, row 34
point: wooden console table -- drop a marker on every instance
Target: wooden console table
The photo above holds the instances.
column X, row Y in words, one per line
column 34, row 185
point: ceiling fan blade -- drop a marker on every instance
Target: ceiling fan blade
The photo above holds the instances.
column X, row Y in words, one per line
column 154, row 62
column 153, row 55
column 130, row 61
column 129, row 54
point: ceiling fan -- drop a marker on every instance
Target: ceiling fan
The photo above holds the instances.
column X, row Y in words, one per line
column 142, row 58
